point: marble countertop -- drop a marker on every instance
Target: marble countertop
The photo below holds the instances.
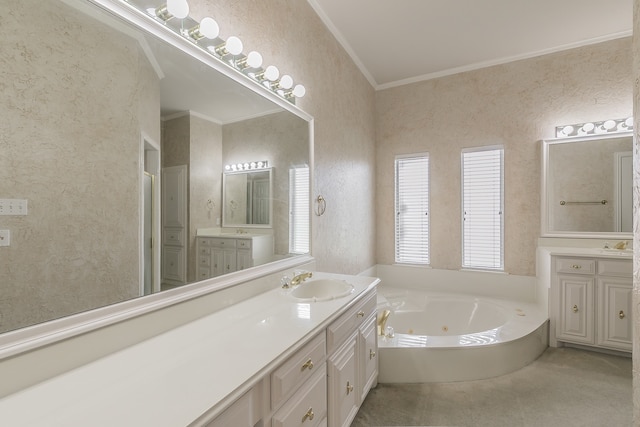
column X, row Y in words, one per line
column 173, row 378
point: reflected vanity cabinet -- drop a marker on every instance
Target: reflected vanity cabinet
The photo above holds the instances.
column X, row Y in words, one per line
column 591, row 301
column 222, row 255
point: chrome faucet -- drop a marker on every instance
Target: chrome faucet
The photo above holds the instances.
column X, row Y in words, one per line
column 382, row 322
column 299, row 278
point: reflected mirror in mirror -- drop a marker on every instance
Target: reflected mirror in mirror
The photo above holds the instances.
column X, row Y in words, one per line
column 246, row 199
column 116, row 140
column 589, row 186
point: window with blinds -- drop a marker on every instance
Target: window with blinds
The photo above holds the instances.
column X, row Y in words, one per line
column 482, row 208
column 412, row 208
column 299, row 221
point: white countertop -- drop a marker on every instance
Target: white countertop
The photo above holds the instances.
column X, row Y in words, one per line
column 171, row 379
column 590, row 252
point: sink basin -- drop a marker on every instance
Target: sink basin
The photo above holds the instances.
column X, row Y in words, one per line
column 322, row 290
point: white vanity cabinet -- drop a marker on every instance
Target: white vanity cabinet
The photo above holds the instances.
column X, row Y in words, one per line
column 352, row 364
column 222, row 255
column 592, row 301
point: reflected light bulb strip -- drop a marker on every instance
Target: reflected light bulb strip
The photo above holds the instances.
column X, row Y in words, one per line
column 237, row 167
column 595, row 128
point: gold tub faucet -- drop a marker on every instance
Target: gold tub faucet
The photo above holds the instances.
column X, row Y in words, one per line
column 382, row 322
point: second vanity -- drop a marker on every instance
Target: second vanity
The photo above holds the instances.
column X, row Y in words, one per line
column 270, row 360
column 220, row 254
column 590, row 298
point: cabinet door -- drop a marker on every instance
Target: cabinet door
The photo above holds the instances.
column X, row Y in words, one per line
column 342, row 372
column 369, row 355
column 576, row 320
column 614, row 313
column 244, row 259
column 223, row 260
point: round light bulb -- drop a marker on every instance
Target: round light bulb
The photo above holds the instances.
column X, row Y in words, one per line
column 227, row 167
column 286, row 82
column 254, row 59
column 567, row 130
column 233, row 45
column 271, row 73
column 588, row 127
column 178, row 8
column 209, row 28
column 299, row 91
column 629, row 122
column 609, row 124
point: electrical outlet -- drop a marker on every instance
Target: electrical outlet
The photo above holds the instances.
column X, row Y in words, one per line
column 5, row 237
column 13, row 206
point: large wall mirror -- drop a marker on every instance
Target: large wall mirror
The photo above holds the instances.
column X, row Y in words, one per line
column 246, row 199
column 587, row 187
column 117, row 139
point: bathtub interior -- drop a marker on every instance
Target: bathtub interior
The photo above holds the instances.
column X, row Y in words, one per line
column 453, row 320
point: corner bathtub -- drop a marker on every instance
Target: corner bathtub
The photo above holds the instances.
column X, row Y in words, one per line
column 453, row 337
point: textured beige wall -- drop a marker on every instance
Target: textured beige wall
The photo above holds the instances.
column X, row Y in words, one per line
column 283, row 140
column 290, row 35
column 73, row 153
column 516, row 105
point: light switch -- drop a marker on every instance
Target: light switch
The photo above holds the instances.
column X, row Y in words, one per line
column 5, row 237
column 13, row 206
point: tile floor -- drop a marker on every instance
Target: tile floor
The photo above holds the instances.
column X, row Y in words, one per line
column 564, row 387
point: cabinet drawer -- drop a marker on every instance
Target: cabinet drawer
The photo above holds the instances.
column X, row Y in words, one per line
column 350, row 321
column 309, row 407
column 204, row 251
column 576, row 266
column 204, row 261
column 218, row 242
column 204, row 273
column 244, row 412
column 204, row 241
column 173, row 236
column 300, row 367
column 615, row 267
column 243, row 243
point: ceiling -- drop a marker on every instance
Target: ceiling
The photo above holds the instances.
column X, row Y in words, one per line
column 403, row 41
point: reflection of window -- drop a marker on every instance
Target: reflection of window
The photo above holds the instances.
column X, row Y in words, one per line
column 412, row 209
column 299, row 209
column 482, row 207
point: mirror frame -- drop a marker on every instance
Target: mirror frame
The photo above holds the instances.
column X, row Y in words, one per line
column 544, row 203
column 29, row 338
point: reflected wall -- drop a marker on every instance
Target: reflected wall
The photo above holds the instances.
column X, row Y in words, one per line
column 78, row 246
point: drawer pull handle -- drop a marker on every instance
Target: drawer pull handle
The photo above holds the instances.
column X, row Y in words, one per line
column 576, row 266
column 575, row 308
column 307, row 365
column 372, row 354
column 349, row 388
column 361, row 313
column 309, row 415
column 621, row 315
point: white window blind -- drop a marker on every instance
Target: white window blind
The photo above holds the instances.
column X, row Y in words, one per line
column 482, row 208
column 412, row 209
column 299, row 210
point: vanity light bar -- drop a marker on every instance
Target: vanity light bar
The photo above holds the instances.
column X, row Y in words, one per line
column 595, row 128
column 174, row 15
column 246, row 166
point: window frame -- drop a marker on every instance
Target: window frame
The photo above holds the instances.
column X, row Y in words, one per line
column 472, row 266
column 400, row 255
column 299, row 211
